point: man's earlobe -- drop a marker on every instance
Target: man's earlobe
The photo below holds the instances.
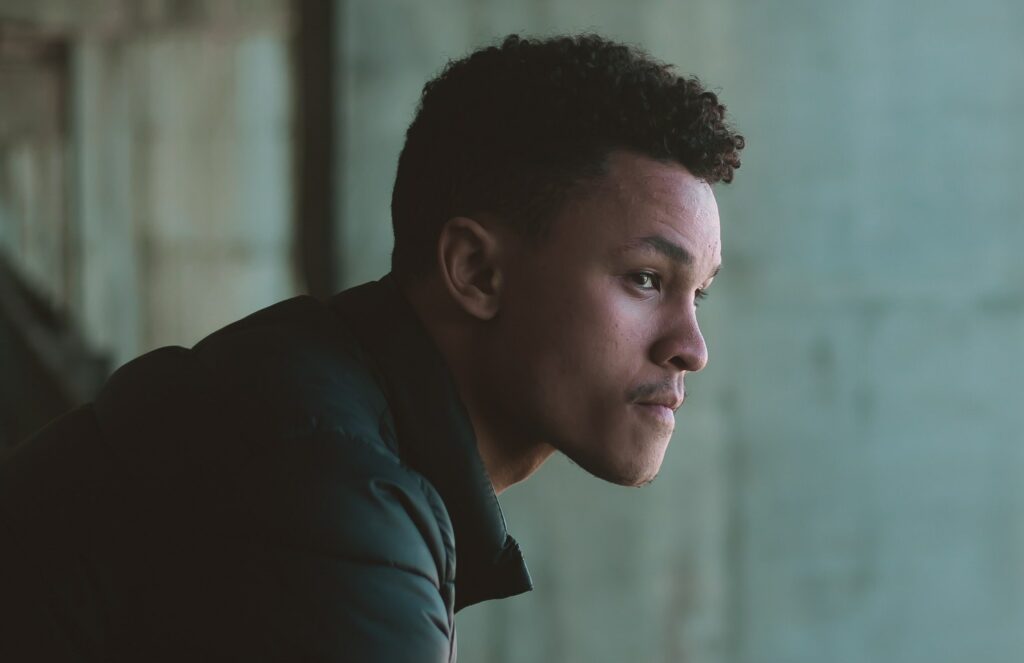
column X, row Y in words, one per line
column 467, row 256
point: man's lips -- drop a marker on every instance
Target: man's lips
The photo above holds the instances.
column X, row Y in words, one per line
column 671, row 401
column 668, row 393
column 662, row 413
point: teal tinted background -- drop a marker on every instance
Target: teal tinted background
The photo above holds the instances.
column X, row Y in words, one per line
column 845, row 480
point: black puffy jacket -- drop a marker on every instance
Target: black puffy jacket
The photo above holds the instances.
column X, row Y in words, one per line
column 294, row 487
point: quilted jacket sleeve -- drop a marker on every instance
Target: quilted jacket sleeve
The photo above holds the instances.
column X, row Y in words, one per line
column 344, row 556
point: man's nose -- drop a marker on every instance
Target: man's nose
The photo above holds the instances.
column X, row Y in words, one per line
column 682, row 345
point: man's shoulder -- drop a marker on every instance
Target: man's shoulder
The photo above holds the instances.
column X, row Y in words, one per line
column 286, row 406
column 293, row 367
column 346, row 497
column 296, row 342
column 287, row 372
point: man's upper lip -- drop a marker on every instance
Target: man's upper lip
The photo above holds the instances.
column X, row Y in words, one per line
column 670, row 401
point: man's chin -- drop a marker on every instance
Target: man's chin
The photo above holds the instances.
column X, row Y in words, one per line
column 637, row 480
column 631, row 472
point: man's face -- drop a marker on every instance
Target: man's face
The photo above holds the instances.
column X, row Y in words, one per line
column 598, row 323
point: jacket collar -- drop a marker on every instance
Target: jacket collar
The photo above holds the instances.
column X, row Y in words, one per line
column 436, row 439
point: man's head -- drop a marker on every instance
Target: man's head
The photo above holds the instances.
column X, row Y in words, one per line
column 557, row 195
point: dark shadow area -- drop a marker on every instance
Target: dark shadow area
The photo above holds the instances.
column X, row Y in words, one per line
column 47, row 367
column 315, row 163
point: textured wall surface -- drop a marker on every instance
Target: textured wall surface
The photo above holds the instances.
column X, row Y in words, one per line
column 178, row 151
column 203, row 118
column 845, row 482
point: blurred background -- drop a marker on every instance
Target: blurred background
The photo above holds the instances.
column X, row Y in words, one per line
column 845, row 483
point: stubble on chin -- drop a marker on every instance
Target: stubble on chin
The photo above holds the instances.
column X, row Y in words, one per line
column 633, row 473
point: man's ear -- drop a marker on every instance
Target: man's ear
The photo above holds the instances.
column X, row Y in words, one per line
column 467, row 255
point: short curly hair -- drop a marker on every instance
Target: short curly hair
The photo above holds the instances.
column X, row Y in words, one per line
column 510, row 130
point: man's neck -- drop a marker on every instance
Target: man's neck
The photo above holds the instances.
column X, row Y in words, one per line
column 508, row 464
column 507, row 461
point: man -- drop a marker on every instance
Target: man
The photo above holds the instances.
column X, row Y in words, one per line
column 319, row 480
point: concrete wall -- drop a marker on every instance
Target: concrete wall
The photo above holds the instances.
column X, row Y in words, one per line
column 845, row 483
column 204, row 122
column 179, row 150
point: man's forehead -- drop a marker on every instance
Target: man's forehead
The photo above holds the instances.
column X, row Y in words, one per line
column 641, row 201
column 667, row 187
column 637, row 169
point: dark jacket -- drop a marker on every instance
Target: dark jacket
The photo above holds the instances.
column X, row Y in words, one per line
column 294, row 487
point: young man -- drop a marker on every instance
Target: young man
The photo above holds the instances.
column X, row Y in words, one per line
column 318, row 479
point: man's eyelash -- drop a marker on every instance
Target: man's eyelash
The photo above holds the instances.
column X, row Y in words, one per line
column 700, row 295
column 654, row 279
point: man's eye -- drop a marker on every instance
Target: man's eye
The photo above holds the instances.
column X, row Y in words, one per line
column 646, row 280
column 701, row 295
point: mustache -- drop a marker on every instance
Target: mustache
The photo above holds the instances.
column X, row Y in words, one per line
column 653, row 389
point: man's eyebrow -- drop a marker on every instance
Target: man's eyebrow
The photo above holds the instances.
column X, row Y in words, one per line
column 670, row 250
